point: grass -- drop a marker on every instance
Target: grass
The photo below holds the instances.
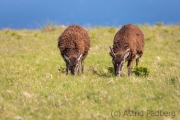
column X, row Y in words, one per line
column 34, row 84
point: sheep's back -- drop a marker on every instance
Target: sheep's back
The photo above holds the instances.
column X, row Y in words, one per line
column 129, row 36
column 74, row 38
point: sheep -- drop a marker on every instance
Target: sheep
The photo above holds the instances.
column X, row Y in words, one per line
column 128, row 45
column 74, row 44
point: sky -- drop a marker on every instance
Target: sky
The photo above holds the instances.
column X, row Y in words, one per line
column 32, row 14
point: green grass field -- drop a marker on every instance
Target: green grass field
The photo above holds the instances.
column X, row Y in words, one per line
column 33, row 83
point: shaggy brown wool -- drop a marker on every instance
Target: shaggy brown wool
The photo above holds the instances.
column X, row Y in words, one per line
column 73, row 42
column 129, row 39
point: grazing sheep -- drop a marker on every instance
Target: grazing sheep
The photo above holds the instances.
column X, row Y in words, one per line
column 74, row 44
column 128, row 45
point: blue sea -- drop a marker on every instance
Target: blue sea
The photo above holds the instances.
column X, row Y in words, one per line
column 34, row 14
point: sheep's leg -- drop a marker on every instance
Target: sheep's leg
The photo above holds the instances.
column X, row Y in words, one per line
column 129, row 65
column 137, row 61
column 66, row 69
column 79, row 69
column 82, row 66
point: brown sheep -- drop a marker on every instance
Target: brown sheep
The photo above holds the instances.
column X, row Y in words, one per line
column 128, row 45
column 74, row 44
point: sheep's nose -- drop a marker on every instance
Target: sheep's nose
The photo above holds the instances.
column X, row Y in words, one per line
column 72, row 73
column 117, row 74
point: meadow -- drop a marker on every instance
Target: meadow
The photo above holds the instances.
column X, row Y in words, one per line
column 34, row 86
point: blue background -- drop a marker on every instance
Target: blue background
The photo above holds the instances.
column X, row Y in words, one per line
column 31, row 14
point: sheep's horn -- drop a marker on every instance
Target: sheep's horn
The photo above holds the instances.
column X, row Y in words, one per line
column 66, row 58
column 79, row 57
column 112, row 52
column 126, row 53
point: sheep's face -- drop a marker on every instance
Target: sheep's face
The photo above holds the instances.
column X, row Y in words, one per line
column 118, row 64
column 72, row 63
column 118, row 61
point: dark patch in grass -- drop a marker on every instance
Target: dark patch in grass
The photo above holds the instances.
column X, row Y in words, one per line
column 174, row 80
column 111, row 70
column 62, row 70
column 141, row 71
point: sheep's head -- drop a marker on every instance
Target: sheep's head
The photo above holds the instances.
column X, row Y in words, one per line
column 118, row 60
column 72, row 63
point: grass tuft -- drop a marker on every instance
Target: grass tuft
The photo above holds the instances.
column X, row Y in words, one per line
column 141, row 71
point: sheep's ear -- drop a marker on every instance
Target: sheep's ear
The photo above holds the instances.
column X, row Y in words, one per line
column 112, row 52
column 79, row 57
column 126, row 53
column 66, row 58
